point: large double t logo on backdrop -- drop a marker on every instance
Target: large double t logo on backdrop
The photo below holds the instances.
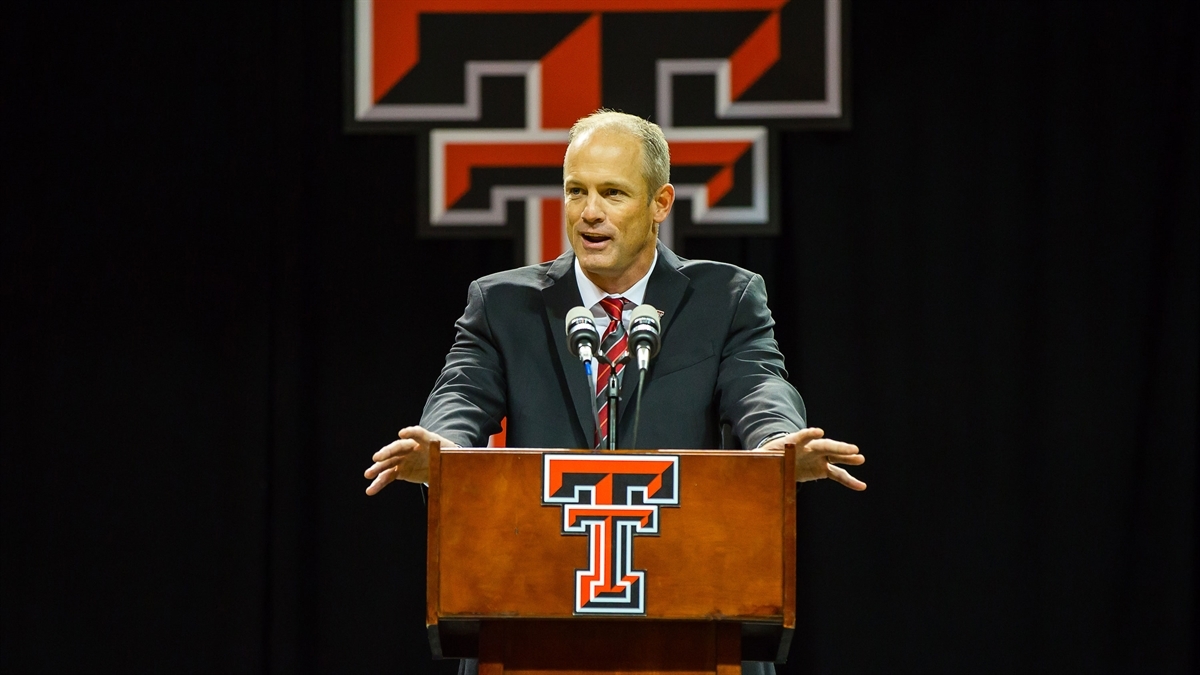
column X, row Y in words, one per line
column 611, row 499
column 493, row 86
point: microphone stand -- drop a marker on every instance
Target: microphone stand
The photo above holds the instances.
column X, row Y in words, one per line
column 613, row 390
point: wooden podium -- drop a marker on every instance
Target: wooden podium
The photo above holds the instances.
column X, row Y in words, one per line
column 559, row 561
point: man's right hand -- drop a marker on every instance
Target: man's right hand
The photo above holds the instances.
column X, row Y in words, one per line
column 405, row 459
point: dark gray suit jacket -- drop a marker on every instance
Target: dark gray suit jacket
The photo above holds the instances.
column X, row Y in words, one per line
column 719, row 362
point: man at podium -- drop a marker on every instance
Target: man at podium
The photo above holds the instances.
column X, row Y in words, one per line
column 718, row 362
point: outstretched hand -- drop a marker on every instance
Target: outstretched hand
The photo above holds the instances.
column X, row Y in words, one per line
column 405, row 459
column 818, row 457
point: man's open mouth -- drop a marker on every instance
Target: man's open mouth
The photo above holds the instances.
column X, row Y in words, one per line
column 595, row 238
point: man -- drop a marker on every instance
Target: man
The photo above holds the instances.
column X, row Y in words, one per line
column 718, row 362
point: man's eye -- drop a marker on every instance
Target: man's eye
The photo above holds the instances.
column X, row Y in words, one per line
column 574, row 192
column 613, row 192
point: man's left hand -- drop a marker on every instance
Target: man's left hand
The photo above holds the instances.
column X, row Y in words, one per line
column 817, row 457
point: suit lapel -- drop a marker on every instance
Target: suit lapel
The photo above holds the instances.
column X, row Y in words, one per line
column 666, row 287
column 561, row 294
column 665, row 292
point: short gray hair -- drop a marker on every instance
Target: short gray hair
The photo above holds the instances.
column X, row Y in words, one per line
column 656, row 156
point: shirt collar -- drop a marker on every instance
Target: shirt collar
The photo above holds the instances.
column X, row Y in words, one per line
column 591, row 294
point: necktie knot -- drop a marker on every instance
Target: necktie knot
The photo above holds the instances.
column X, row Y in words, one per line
column 613, row 307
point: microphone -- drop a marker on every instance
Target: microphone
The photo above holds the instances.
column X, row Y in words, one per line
column 582, row 336
column 644, row 332
column 644, row 337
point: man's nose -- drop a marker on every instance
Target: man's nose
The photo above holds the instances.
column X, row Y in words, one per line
column 593, row 212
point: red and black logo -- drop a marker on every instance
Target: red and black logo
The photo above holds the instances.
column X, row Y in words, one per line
column 494, row 85
column 611, row 499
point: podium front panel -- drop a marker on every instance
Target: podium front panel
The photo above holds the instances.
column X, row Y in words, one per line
column 498, row 550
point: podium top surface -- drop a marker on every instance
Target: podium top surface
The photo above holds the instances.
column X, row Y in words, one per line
column 585, row 451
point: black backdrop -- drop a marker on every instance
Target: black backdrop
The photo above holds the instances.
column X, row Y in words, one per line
column 215, row 308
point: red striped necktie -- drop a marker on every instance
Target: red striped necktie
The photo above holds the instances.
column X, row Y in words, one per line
column 614, row 346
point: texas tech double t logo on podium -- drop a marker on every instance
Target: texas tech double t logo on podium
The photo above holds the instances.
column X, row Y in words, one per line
column 610, row 499
column 555, row 561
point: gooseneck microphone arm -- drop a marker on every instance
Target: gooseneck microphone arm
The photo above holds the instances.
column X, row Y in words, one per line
column 645, row 339
column 583, row 340
column 614, row 390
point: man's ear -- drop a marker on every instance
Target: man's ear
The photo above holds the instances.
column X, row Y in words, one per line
column 663, row 200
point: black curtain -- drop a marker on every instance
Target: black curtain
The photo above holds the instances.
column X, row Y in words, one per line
column 215, row 308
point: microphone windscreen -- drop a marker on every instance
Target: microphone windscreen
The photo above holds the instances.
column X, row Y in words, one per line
column 581, row 332
column 577, row 313
column 645, row 311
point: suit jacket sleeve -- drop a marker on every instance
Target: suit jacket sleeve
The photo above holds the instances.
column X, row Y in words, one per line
column 752, row 388
column 468, row 400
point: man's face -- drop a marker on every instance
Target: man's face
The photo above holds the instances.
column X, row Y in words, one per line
column 611, row 222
